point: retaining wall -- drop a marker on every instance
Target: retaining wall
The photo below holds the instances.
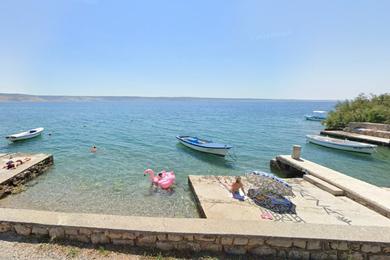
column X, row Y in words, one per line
column 285, row 169
column 267, row 239
column 373, row 129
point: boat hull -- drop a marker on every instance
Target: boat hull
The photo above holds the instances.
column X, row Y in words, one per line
column 366, row 149
column 215, row 151
column 314, row 118
column 25, row 135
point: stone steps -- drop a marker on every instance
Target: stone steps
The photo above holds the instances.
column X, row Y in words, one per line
column 324, row 185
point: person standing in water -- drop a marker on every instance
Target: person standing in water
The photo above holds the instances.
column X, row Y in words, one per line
column 235, row 189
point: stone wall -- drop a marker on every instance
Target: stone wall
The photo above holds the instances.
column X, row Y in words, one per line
column 292, row 248
column 13, row 184
column 372, row 129
column 373, row 126
column 285, row 169
column 258, row 238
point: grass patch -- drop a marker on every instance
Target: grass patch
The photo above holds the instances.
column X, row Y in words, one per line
column 102, row 251
column 73, row 252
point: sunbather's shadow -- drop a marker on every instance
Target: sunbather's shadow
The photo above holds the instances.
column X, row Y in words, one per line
column 274, row 203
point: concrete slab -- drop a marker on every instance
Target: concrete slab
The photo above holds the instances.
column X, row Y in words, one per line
column 5, row 174
column 363, row 192
column 323, row 185
column 312, row 204
column 357, row 137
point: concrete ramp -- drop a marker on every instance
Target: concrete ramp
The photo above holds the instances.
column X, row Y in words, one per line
column 366, row 194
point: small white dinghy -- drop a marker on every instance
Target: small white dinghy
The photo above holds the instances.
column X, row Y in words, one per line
column 25, row 135
column 205, row 146
column 345, row 145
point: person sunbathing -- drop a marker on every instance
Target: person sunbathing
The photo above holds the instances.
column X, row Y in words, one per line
column 12, row 165
column 20, row 162
column 9, row 165
column 235, row 189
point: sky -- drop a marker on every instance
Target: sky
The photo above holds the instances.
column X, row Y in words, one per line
column 220, row 48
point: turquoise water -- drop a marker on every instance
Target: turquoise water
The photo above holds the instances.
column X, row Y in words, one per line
column 134, row 135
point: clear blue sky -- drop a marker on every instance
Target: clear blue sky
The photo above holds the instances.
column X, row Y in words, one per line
column 257, row 49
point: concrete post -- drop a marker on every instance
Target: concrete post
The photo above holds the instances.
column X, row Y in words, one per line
column 296, row 152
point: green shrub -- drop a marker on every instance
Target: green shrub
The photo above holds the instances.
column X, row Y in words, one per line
column 373, row 109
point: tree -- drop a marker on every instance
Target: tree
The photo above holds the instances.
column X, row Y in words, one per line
column 373, row 109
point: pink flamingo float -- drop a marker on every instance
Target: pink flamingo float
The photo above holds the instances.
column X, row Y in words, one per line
column 163, row 179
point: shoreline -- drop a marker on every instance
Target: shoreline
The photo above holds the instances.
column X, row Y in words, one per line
column 220, row 234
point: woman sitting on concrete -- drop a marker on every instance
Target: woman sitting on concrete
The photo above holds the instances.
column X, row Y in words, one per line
column 235, row 189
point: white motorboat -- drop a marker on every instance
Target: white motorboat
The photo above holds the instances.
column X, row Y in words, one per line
column 205, row 146
column 345, row 145
column 25, row 135
column 317, row 116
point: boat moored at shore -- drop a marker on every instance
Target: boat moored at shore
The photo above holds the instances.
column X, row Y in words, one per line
column 345, row 145
column 206, row 146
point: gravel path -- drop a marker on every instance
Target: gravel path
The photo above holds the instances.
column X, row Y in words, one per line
column 17, row 247
column 12, row 247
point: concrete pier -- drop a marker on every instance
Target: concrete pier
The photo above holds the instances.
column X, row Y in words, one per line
column 362, row 192
column 357, row 137
column 11, row 179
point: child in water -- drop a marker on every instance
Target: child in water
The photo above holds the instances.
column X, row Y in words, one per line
column 235, row 189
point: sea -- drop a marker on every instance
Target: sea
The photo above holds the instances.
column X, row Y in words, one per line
column 139, row 133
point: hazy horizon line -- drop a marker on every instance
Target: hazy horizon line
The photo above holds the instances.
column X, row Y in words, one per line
column 162, row 97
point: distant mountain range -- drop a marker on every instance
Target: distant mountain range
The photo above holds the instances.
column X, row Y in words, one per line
column 6, row 97
column 44, row 98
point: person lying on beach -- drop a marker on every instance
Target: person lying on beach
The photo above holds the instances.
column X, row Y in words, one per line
column 235, row 189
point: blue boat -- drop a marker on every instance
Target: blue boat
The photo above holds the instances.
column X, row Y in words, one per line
column 206, row 146
column 317, row 116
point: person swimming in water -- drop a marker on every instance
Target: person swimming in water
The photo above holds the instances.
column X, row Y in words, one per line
column 93, row 149
column 235, row 189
